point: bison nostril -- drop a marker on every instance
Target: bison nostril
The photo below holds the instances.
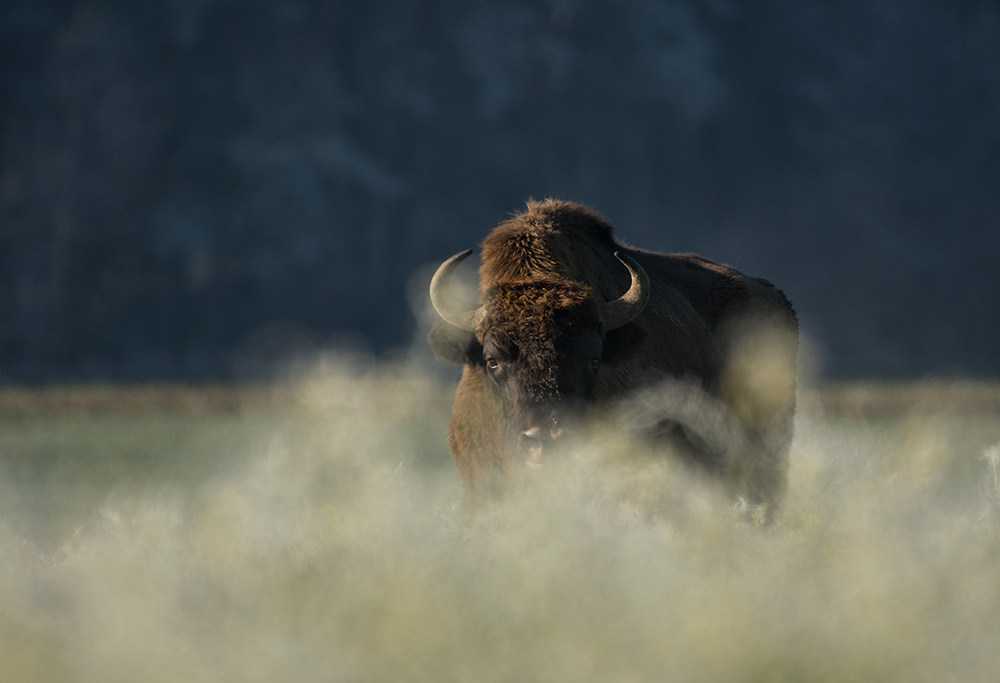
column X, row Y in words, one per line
column 532, row 434
column 541, row 435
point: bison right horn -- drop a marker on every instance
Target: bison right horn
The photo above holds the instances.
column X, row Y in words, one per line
column 448, row 306
column 629, row 305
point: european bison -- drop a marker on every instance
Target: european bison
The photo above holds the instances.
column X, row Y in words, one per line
column 571, row 317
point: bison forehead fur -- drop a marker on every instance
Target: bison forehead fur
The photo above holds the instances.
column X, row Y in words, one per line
column 532, row 316
column 560, row 295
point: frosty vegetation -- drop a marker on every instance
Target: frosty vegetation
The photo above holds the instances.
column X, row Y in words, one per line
column 322, row 539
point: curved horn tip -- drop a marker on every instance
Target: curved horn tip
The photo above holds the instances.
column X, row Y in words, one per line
column 446, row 268
column 626, row 259
column 444, row 301
column 628, row 307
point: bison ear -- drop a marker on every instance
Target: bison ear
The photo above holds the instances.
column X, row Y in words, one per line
column 454, row 345
column 620, row 344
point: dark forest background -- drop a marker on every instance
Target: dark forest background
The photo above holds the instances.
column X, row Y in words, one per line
column 193, row 189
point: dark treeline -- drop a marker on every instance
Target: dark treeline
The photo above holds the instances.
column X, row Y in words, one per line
column 189, row 186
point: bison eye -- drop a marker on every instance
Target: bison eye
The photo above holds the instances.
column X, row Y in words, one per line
column 594, row 363
column 492, row 364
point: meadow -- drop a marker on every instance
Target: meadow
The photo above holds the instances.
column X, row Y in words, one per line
column 311, row 530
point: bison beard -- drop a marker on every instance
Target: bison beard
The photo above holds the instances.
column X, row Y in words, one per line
column 554, row 335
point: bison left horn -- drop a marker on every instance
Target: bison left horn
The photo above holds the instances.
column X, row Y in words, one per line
column 629, row 305
column 448, row 306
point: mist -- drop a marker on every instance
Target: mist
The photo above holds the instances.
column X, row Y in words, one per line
column 317, row 534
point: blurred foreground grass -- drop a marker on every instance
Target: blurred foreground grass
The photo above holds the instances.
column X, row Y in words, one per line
column 310, row 531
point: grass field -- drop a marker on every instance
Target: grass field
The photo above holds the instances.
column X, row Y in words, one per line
column 311, row 531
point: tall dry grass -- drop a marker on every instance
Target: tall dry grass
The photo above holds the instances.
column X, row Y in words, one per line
column 319, row 538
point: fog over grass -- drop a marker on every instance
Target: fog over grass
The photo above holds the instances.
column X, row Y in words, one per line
column 321, row 538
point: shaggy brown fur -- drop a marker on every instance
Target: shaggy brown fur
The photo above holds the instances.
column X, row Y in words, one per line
column 543, row 276
column 530, row 317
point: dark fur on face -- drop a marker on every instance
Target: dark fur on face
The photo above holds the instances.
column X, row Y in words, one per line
column 541, row 347
column 533, row 323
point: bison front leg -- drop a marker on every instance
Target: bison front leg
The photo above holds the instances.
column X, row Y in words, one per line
column 475, row 438
column 758, row 385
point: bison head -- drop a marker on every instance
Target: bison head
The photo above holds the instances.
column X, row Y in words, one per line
column 541, row 343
